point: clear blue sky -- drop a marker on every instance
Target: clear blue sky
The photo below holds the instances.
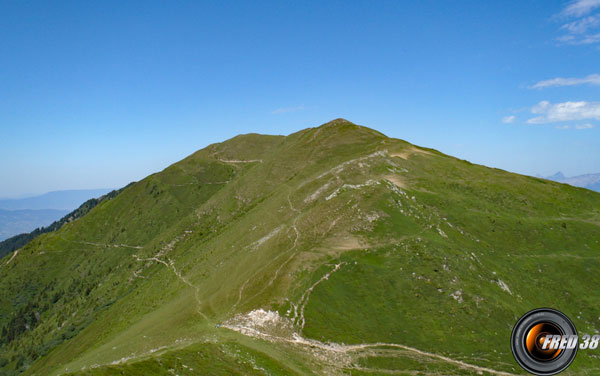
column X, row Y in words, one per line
column 97, row 94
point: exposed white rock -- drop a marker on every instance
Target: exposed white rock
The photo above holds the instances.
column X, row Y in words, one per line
column 457, row 295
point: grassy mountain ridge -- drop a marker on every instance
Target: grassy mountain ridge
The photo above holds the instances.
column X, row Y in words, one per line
column 334, row 249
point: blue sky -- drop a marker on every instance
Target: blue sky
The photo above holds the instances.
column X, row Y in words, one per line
column 97, row 94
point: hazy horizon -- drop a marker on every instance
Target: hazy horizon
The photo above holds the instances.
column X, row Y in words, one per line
column 26, row 195
column 34, row 195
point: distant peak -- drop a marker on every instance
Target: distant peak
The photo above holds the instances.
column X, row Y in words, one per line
column 337, row 121
column 341, row 126
column 559, row 175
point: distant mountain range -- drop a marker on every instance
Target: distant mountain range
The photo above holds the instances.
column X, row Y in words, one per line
column 20, row 238
column 58, row 200
column 589, row 181
column 22, row 215
column 14, row 222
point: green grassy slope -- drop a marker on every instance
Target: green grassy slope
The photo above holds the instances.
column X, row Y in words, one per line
column 332, row 250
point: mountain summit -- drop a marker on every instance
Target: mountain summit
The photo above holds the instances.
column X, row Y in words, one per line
column 557, row 177
column 331, row 250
